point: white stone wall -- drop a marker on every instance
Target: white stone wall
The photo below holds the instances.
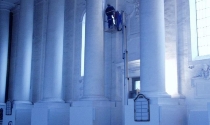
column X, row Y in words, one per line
column 192, row 84
column 133, row 29
column 171, row 79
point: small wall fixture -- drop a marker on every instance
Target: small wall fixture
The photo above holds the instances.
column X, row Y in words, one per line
column 141, row 108
column 8, row 108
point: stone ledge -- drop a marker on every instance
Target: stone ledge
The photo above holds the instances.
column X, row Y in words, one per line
column 93, row 104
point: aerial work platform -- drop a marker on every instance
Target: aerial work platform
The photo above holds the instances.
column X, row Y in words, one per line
column 118, row 24
column 114, row 19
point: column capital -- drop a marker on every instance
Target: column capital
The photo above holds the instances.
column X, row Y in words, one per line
column 6, row 5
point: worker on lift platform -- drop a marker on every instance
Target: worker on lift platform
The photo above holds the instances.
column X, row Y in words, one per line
column 114, row 18
column 110, row 11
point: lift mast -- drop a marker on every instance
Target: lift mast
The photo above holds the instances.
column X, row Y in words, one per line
column 125, row 58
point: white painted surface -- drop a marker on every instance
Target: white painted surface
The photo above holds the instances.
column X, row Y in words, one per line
column 162, row 112
column 198, row 118
column 43, row 116
column 81, row 115
column 22, row 113
column 91, row 113
column 129, row 115
column 50, row 114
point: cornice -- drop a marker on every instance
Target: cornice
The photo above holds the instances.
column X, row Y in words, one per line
column 6, row 5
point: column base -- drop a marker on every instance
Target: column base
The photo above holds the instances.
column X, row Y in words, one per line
column 52, row 100
column 22, row 102
column 91, row 112
column 2, row 104
column 163, row 111
column 6, row 118
column 178, row 96
column 50, row 114
column 156, row 94
column 94, row 98
column 21, row 112
column 69, row 101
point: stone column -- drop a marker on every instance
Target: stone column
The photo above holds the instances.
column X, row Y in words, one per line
column 4, row 40
column 22, row 72
column 54, row 52
column 152, row 48
column 94, row 51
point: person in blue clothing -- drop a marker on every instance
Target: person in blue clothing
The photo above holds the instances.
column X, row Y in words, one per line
column 118, row 20
column 110, row 11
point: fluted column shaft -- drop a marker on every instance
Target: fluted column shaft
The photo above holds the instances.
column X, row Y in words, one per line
column 4, row 40
column 22, row 74
column 152, row 47
column 94, row 51
column 54, row 52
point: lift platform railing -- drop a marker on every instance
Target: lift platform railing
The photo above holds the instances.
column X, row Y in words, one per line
column 117, row 22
